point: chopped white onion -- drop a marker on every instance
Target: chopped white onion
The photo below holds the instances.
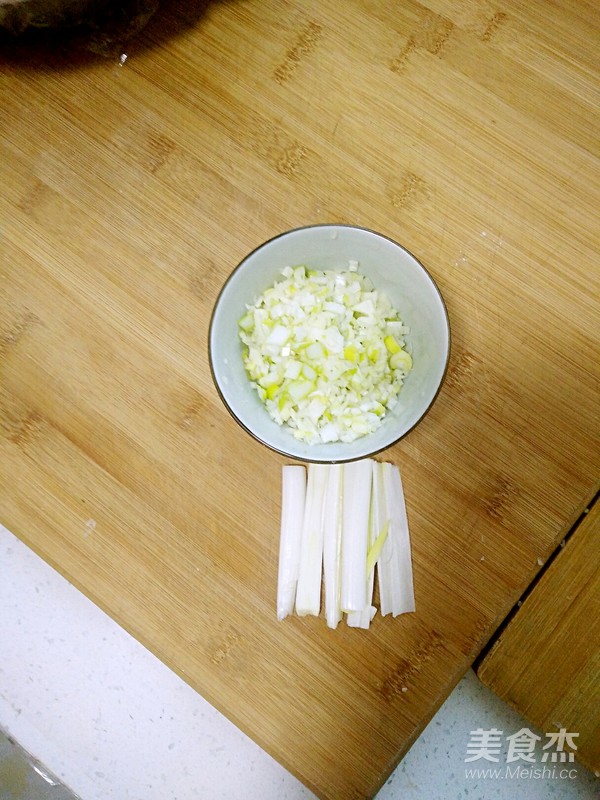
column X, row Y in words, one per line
column 331, row 337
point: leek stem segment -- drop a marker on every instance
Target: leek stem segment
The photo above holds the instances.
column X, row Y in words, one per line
column 343, row 525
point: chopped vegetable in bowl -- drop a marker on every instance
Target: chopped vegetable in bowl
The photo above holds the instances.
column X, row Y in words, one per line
column 326, row 353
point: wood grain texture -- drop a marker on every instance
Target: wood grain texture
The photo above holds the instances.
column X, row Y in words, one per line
column 546, row 662
column 467, row 131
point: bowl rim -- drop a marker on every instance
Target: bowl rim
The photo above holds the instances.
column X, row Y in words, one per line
column 230, row 277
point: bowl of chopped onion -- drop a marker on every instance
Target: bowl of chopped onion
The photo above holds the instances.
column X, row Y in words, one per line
column 329, row 343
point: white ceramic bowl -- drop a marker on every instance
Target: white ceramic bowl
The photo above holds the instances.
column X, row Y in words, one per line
column 393, row 270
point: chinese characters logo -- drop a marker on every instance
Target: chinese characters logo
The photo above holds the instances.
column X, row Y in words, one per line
column 523, row 746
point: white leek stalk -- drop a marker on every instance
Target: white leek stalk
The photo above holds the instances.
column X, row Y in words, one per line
column 378, row 532
column 293, row 496
column 355, row 534
column 361, row 619
column 395, row 566
column 339, row 525
column 384, row 563
column 308, row 591
column 332, row 543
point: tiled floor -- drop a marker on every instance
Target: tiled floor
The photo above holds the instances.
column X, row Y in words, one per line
column 112, row 721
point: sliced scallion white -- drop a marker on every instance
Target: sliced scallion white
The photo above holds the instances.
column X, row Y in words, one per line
column 362, row 619
column 342, row 526
column 355, row 534
column 308, row 592
column 293, row 498
column 402, row 589
column 332, row 544
column 384, row 564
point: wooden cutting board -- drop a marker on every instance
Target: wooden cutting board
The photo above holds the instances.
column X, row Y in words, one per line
column 129, row 190
column 557, row 631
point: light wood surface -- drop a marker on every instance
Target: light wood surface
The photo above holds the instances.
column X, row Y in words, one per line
column 546, row 663
column 467, row 131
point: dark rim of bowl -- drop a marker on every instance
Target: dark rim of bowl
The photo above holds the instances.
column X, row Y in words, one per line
column 258, row 438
